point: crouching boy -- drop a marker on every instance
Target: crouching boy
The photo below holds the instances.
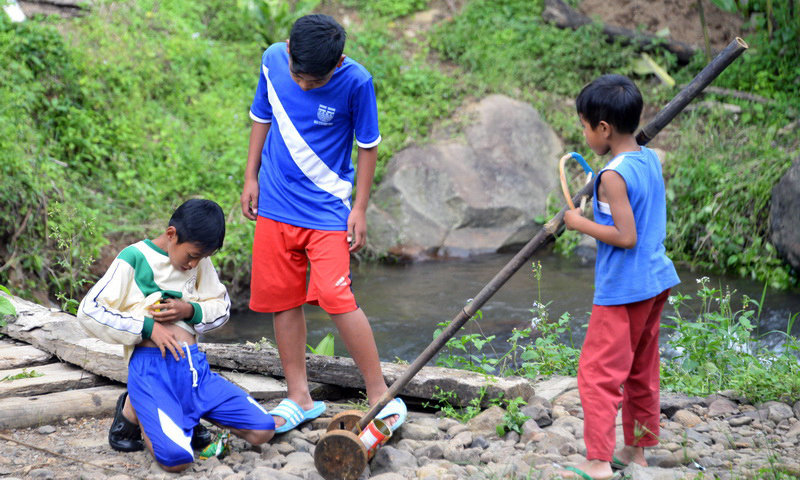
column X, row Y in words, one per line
column 154, row 299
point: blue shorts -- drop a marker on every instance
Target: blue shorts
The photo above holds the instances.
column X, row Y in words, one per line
column 170, row 397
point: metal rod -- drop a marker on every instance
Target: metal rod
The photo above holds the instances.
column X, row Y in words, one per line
column 554, row 227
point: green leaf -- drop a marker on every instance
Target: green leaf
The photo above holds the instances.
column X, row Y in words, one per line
column 325, row 346
column 6, row 307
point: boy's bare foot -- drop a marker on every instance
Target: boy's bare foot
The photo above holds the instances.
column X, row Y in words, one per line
column 630, row 454
column 589, row 470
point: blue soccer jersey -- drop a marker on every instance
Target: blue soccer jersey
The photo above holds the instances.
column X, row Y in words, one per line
column 306, row 176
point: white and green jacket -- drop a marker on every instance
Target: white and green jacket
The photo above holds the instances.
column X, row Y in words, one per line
column 115, row 309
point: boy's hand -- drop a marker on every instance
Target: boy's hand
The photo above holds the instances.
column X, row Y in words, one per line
column 249, row 199
column 171, row 310
column 572, row 218
column 357, row 229
column 165, row 340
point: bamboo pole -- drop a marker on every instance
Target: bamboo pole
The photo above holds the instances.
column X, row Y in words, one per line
column 552, row 228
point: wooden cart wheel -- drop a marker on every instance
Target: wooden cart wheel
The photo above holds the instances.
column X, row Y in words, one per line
column 346, row 420
column 564, row 187
column 340, row 455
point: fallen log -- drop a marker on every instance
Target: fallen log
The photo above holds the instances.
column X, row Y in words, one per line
column 60, row 334
column 23, row 412
column 343, row 372
column 563, row 16
column 13, row 356
column 55, row 377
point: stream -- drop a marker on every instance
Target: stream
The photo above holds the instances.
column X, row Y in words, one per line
column 405, row 302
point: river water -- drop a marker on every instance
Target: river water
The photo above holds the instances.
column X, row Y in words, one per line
column 405, row 302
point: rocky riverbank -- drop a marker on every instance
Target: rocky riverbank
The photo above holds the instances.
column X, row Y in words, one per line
column 713, row 437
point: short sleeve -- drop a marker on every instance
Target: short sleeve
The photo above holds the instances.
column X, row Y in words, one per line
column 261, row 110
column 365, row 114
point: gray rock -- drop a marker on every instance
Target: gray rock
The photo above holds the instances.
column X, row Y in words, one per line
column 221, row 472
column 529, row 429
column 778, row 411
column 299, row 458
column 479, row 442
column 461, row 440
column 722, row 408
column 485, row 423
column 672, row 402
column 390, row 459
column 652, row 473
column 301, row 445
column 456, row 429
column 539, row 410
column 463, row 456
column 264, row 473
column 796, row 409
column 783, row 214
column 387, row 476
column 46, row 430
column 553, row 387
column 740, row 421
column 686, row 418
column 474, row 193
column 416, row 431
column 432, row 450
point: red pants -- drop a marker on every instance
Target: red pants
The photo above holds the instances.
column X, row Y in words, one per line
column 621, row 350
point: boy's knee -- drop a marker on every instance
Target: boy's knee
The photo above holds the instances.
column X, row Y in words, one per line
column 174, row 469
column 257, row 437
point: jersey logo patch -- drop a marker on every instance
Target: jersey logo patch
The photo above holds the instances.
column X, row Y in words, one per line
column 325, row 115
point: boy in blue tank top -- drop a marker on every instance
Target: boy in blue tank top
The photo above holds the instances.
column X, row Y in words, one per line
column 620, row 358
column 310, row 102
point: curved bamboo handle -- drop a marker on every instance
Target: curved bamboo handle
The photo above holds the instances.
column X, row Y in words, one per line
column 564, row 187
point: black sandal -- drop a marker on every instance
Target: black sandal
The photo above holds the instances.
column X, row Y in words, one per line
column 124, row 436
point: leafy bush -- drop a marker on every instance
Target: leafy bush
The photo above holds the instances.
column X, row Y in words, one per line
column 719, row 351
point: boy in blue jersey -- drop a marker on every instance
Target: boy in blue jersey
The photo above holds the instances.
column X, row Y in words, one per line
column 310, row 102
column 620, row 358
column 154, row 299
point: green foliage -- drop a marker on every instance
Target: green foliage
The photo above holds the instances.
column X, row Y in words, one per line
column 71, row 226
column 513, row 418
column 24, row 374
column 6, row 307
column 387, row 8
column 324, row 347
column 538, row 350
column 276, row 17
column 719, row 351
column 719, row 197
column 446, row 402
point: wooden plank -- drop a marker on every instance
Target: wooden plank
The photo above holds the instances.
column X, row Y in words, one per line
column 258, row 386
column 343, row 372
column 14, row 356
column 60, row 334
column 55, row 377
column 23, row 412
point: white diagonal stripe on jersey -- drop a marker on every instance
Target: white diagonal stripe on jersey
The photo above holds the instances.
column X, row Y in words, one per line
column 305, row 158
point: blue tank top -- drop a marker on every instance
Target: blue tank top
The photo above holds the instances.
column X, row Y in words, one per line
column 630, row 275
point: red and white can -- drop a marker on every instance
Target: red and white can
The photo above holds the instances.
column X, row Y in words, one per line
column 376, row 434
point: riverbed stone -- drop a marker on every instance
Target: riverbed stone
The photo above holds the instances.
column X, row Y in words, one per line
column 722, row 407
column 555, row 386
column 538, row 409
column 777, row 411
column 415, row 431
column 671, row 402
column 783, row 215
column 686, row 418
column 390, row 459
column 468, row 192
column 432, row 450
column 485, row 423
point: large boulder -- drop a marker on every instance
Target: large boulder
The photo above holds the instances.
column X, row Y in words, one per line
column 479, row 191
column 785, row 216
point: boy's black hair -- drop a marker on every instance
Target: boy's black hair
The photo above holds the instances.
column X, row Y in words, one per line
column 613, row 99
column 316, row 44
column 201, row 222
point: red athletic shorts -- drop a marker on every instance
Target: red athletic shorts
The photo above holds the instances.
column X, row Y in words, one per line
column 281, row 254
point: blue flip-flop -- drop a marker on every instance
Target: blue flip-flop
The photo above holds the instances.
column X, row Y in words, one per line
column 395, row 407
column 294, row 414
